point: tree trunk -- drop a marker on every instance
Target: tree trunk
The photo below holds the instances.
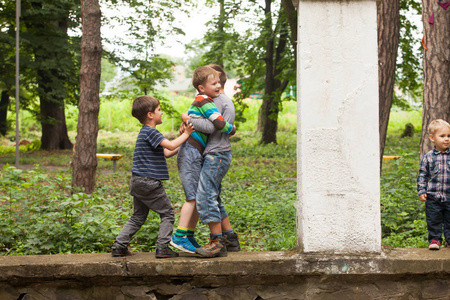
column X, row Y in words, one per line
column 269, row 110
column 291, row 16
column 436, row 68
column 4, row 103
column 51, row 79
column 53, row 119
column 388, row 19
column 85, row 160
column 273, row 87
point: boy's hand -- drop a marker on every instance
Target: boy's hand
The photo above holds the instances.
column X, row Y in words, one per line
column 423, row 197
column 184, row 117
column 189, row 128
column 234, row 130
column 182, row 128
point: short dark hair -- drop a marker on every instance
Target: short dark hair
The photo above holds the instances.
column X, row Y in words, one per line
column 222, row 74
column 143, row 105
column 201, row 74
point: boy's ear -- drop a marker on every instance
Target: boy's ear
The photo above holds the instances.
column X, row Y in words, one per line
column 431, row 137
column 201, row 88
column 150, row 115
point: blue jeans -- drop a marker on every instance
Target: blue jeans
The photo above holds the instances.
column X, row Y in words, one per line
column 438, row 216
column 209, row 204
column 189, row 162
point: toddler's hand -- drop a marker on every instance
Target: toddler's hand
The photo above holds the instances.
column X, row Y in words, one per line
column 189, row 128
column 423, row 197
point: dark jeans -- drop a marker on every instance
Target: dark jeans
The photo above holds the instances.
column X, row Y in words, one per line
column 438, row 216
column 148, row 193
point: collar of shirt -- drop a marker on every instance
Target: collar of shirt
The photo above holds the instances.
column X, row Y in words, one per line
column 436, row 152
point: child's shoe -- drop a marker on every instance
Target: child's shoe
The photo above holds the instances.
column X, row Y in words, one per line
column 165, row 252
column 215, row 248
column 182, row 243
column 119, row 250
column 194, row 242
column 232, row 242
column 434, row 245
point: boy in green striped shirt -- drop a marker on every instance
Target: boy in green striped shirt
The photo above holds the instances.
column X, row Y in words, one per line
column 190, row 156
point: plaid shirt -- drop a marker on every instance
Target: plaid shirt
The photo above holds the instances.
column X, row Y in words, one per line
column 434, row 175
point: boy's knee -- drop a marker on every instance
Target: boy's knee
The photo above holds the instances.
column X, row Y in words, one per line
column 138, row 220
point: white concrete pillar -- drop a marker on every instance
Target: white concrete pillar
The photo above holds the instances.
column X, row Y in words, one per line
column 338, row 207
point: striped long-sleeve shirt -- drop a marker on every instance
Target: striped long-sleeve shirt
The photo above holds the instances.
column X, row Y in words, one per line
column 434, row 175
column 204, row 107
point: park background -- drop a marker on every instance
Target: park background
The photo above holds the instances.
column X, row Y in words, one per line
column 43, row 214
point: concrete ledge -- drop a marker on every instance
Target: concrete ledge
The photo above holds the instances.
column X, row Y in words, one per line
column 83, row 272
column 390, row 262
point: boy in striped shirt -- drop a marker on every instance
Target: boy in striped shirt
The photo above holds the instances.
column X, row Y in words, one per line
column 149, row 169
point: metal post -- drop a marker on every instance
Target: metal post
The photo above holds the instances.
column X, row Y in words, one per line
column 17, row 80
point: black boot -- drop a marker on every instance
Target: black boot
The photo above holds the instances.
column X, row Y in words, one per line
column 119, row 250
column 165, row 252
column 232, row 242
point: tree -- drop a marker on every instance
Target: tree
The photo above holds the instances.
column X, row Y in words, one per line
column 47, row 63
column 147, row 27
column 262, row 56
column 436, row 68
column 274, row 84
column 85, row 160
column 388, row 19
column 54, row 64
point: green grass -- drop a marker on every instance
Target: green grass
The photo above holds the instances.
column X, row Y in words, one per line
column 402, row 214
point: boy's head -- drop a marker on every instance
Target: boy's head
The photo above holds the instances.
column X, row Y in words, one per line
column 437, row 124
column 222, row 74
column 439, row 134
column 206, row 81
column 142, row 106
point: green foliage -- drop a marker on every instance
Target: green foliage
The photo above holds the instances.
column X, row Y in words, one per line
column 43, row 216
column 35, row 145
column 402, row 214
column 409, row 71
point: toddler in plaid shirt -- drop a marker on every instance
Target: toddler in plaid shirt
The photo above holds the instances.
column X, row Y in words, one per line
column 433, row 184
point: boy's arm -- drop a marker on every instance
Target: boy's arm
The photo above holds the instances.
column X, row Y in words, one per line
column 174, row 144
column 169, row 153
column 422, row 178
column 204, row 107
column 206, row 126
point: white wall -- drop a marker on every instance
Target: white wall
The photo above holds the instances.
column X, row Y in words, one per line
column 338, row 207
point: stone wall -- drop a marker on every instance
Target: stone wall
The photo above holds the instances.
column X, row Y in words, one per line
column 394, row 274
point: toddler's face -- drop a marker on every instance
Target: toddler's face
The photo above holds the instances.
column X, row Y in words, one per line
column 211, row 87
column 441, row 138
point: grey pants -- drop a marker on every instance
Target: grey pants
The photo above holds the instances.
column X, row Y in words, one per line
column 148, row 193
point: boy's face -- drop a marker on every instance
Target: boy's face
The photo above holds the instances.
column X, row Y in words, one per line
column 211, row 87
column 441, row 138
column 156, row 115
